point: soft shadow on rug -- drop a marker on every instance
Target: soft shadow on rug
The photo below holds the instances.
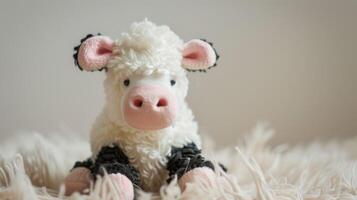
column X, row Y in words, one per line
column 34, row 166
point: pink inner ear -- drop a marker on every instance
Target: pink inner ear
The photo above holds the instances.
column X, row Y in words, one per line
column 198, row 54
column 95, row 52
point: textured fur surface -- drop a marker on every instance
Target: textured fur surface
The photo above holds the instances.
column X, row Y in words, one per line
column 33, row 167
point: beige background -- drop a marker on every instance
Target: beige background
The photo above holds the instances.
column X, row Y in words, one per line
column 290, row 63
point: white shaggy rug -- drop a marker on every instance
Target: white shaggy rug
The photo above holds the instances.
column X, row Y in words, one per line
column 33, row 167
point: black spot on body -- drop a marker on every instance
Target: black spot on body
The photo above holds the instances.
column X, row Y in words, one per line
column 112, row 160
column 182, row 160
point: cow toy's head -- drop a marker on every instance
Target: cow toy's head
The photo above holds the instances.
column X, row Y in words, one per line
column 146, row 68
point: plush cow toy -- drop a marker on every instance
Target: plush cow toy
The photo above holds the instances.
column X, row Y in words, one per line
column 146, row 134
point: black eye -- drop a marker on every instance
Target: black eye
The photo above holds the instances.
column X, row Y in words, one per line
column 126, row 82
column 172, row 82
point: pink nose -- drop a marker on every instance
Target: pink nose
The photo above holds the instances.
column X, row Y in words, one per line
column 149, row 107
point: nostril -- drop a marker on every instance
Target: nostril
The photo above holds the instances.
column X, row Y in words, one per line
column 162, row 103
column 138, row 103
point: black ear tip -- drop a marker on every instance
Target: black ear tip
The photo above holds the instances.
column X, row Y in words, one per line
column 215, row 51
column 103, row 68
column 86, row 37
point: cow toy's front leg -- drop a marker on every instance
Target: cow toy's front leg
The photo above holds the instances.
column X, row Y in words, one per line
column 111, row 160
column 125, row 178
column 187, row 163
column 78, row 180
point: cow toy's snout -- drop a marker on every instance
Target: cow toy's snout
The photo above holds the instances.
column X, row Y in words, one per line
column 149, row 107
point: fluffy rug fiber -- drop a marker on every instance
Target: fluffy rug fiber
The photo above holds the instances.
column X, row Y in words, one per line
column 34, row 166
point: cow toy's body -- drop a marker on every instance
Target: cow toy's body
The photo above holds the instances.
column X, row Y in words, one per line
column 146, row 134
column 148, row 152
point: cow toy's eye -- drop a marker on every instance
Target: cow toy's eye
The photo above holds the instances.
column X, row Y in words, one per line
column 126, row 82
column 172, row 82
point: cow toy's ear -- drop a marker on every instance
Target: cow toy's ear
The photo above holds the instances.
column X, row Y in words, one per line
column 198, row 55
column 93, row 53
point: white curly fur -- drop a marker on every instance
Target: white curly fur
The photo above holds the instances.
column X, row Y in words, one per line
column 146, row 53
column 33, row 167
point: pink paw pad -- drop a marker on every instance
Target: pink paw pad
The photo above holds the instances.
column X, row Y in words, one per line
column 78, row 180
column 123, row 185
column 203, row 173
